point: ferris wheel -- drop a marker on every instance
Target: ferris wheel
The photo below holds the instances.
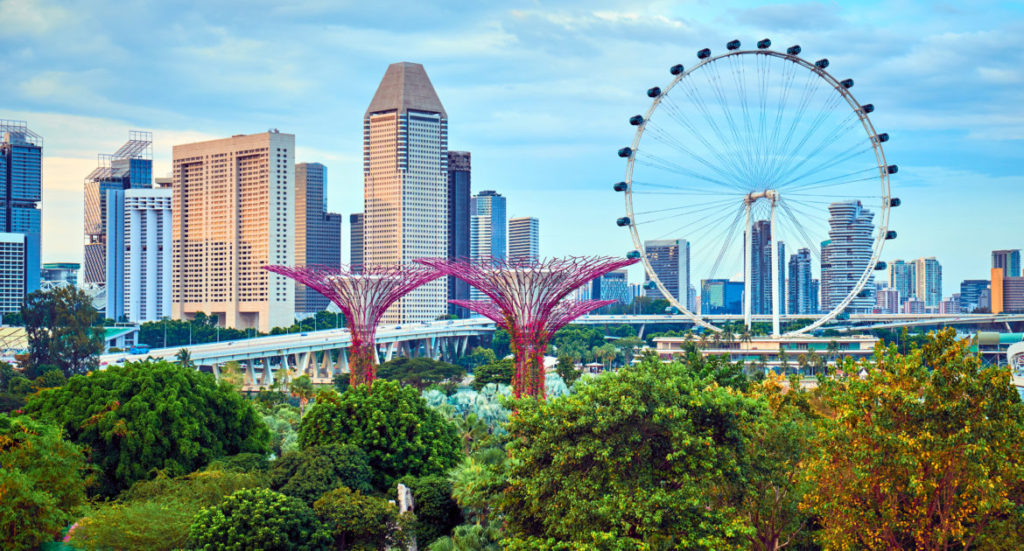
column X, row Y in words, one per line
column 763, row 151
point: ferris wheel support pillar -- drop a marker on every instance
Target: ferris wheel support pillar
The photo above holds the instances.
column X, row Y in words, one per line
column 774, row 267
column 748, row 247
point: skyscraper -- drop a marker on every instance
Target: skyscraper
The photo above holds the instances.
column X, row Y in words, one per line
column 12, row 271
column 670, row 259
column 317, row 232
column 721, row 296
column 903, row 278
column 488, row 228
column 611, row 286
column 846, row 256
column 800, row 300
column 761, row 272
column 459, row 185
column 1008, row 260
column 929, row 281
column 139, row 254
column 405, row 173
column 21, row 185
column 233, row 213
column 970, row 293
column 130, row 167
column 355, row 232
column 524, row 238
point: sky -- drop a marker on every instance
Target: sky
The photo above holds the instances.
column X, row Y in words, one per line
column 538, row 92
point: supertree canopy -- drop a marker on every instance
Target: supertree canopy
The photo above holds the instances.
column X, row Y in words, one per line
column 527, row 300
column 363, row 298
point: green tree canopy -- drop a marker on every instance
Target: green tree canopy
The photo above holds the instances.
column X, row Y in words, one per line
column 499, row 372
column 310, row 473
column 258, row 518
column 924, row 453
column 420, row 372
column 42, row 482
column 436, row 512
column 357, row 521
column 392, row 423
column 648, row 454
column 62, row 327
column 148, row 416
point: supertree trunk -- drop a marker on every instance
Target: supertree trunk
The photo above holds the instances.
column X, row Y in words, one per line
column 362, row 360
column 528, row 353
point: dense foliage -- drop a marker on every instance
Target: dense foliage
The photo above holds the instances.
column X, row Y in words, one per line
column 649, row 453
column 156, row 514
column 392, row 423
column 436, row 512
column 42, row 482
column 359, row 522
column 151, row 416
column 923, row 453
column 420, row 372
column 313, row 471
column 499, row 372
column 62, row 330
column 257, row 518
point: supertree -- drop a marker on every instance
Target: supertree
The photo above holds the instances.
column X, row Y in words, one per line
column 362, row 297
column 527, row 300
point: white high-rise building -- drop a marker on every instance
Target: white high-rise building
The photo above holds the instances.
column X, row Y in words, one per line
column 12, row 271
column 524, row 238
column 234, row 213
column 147, row 254
column 846, row 255
column 405, row 175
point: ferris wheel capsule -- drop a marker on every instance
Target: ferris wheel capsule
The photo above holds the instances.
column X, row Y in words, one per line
column 764, row 44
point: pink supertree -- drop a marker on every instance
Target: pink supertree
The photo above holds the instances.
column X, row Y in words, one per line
column 362, row 297
column 527, row 300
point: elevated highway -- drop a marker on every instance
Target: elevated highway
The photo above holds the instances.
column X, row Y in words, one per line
column 320, row 354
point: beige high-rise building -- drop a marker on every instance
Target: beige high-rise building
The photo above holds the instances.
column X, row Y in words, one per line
column 233, row 213
column 405, row 174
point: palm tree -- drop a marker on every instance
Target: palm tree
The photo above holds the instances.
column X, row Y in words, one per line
column 833, row 351
column 746, row 336
column 802, row 362
column 783, row 359
column 302, row 388
column 184, row 357
column 727, row 335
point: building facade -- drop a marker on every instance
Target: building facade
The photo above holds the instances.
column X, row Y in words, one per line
column 970, row 293
column 459, row 195
column 405, row 173
column 902, row 276
column 21, row 187
column 887, row 300
column 1008, row 260
column 13, row 271
column 612, row 286
column 233, row 213
column 317, row 232
column 721, row 296
column 846, row 256
column 355, row 232
column 61, row 273
column 488, row 228
column 761, row 269
column 800, row 299
column 130, row 167
column 929, row 281
column 139, row 254
column 524, row 238
column 670, row 259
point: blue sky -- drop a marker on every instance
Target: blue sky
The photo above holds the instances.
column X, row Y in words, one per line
column 539, row 92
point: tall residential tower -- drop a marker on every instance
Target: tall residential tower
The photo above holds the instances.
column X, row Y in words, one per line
column 233, row 214
column 524, row 239
column 405, row 173
column 21, row 186
column 846, row 256
column 317, row 232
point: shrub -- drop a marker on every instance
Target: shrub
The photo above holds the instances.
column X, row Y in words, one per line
column 499, row 372
column 257, row 518
column 436, row 512
column 310, row 473
column 400, row 434
column 357, row 521
column 42, row 482
column 151, row 416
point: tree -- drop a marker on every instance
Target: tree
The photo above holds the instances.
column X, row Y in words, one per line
column 42, row 482
column 357, row 521
column 924, row 453
column 62, row 330
column 477, row 357
column 393, row 424
column 436, row 512
column 500, row 372
column 257, row 518
column 184, row 358
column 51, row 379
column 148, row 416
column 627, row 347
column 501, row 343
column 640, row 454
column 566, row 369
column 156, row 514
column 420, row 372
column 310, row 473
column 302, row 388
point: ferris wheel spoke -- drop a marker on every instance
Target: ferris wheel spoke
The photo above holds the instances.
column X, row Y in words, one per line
column 833, row 182
column 750, row 144
column 704, row 219
column 787, row 212
column 738, row 137
column 724, row 165
column 669, row 166
column 826, row 141
column 684, row 208
column 662, row 137
column 676, row 214
column 836, row 160
column 783, row 151
column 677, row 189
column 813, row 128
column 728, row 240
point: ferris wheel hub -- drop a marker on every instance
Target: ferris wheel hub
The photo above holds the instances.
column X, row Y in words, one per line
column 772, row 195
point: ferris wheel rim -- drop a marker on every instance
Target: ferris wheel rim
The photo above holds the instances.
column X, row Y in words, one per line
column 883, row 224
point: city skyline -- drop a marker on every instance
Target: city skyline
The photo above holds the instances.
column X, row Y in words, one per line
column 949, row 125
